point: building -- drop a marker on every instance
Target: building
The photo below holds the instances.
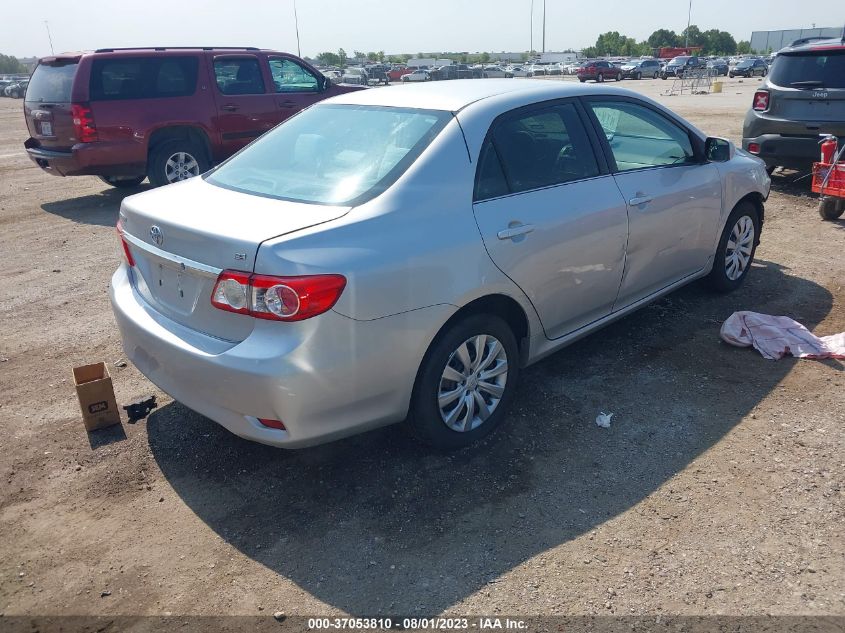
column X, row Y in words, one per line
column 765, row 41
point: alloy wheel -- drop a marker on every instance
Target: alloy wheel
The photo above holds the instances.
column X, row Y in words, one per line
column 181, row 166
column 739, row 247
column 473, row 383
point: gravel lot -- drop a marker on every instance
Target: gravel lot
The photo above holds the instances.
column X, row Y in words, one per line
column 718, row 489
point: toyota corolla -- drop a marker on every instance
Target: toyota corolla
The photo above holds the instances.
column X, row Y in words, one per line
column 399, row 255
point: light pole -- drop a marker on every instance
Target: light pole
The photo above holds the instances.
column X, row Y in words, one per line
column 531, row 37
column 296, row 24
column 544, row 25
column 689, row 16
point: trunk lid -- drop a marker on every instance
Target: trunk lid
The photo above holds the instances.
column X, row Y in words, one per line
column 182, row 235
column 47, row 106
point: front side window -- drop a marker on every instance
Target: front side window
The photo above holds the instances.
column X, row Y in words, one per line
column 288, row 76
column 543, row 147
column 639, row 137
column 238, row 76
column 332, row 154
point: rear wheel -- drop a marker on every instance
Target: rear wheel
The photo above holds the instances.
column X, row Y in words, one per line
column 176, row 160
column 618, row 76
column 831, row 208
column 600, row 78
column 736, row 248
column 656, row 74
column 581, row 79
column 465, row 383
column 122, row 183
column 639, row 75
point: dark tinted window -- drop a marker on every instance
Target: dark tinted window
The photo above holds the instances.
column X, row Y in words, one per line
column 825, row 69
column 238, row 76
column 490, row 180
column 540, row 148
column 143, row 78
column 51, row 83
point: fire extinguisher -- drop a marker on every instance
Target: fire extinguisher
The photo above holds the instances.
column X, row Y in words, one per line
column 828, row 149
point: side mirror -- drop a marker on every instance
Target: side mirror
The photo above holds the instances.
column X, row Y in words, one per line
column 325, row 83
column 718, row 150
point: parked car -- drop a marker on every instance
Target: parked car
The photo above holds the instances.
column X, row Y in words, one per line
column 494, row 72
column 395, row 73
column 163, row 113
column 536, row 70
column 802, row 97
column 17, row 89
column 354, row 76
column 417, row 75
column 681, row 65
column 519, row 71
column 377, row 76
column 719, row 67
column 749, row 68
column 639, row 68
column 332, row 300
column 599, row 70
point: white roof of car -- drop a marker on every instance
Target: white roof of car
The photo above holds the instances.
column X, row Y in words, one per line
column 457, row 94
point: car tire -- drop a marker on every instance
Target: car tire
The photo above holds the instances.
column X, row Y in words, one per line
column 581, row 79
column 441, row 427
column 600, row 78
column 176, row 160
column 731, row 264
column 831, row 208
column 122, row 183
column 618, row 76
column 663, row 77
column 638, row 76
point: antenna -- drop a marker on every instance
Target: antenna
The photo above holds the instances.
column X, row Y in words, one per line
column 296, row 23
column 49, row 37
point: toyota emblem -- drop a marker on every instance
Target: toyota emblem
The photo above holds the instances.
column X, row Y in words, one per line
column 156, row 235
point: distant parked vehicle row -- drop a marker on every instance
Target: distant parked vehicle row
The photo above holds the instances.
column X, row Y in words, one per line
column 639, row 68
column 599, row 70
column 749, row 68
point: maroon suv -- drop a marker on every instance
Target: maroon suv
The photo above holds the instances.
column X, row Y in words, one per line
column 163, row 113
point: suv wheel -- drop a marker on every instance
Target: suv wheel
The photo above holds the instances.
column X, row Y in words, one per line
column 736, row 248
column 831, row 208
column 465, row 383
column 639, row 75
column 122, row 183
column 176, row 160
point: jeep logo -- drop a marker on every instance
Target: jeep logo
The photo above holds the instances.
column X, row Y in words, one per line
column 819, row 94
column 98, row 407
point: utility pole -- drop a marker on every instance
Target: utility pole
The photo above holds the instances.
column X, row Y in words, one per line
column 544, row 25
column 296, row 23
column 49, row 37
column 531, row 20
column 689, row 16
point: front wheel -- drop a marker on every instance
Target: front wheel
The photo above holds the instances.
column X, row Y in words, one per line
column 736, row 248
column 618, row 76
column 122, row 183
column 638, row 76
column 663, row 77
column 581, row 79
column 600, row 78
column 655, row 76
column 831, row 208
column 465, row 383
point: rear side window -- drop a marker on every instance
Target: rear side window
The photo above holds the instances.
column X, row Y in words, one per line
column 238, row 76
column 143, row 78
column 541, row 148
column 817, row 69
column 51, row 83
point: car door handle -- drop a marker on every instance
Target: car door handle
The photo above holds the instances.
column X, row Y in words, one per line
column 229, row 107
column 635, row 202
column 287, row 104
column 515, row 231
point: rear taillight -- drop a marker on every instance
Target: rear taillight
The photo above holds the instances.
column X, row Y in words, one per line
column 272, row 424
column 754, row 148
column 761, row 101
column 83, row 123
column 126, row 252
column 276, row 298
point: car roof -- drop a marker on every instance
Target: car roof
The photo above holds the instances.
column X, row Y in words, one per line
column 834, row 43
column 459, row 93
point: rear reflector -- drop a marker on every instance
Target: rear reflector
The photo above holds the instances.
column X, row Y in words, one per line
column 276, row 298
column 126, row 252
column 273, row 424
column 761, row 101
column 754, row 148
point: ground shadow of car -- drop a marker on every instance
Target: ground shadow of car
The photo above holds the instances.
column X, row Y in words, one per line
column 99, row 208
column 377, row 524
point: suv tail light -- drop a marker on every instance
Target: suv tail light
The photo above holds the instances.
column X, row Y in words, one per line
column 126, row 252
column 276, row 298
column 761, row 101
column 83, row 122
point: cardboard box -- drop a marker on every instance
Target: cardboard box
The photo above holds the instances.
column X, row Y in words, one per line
column 96, row 396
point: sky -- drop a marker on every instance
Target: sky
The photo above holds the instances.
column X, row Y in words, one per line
column 406, row 26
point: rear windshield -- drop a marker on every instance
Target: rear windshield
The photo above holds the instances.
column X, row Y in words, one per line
column 143, row 78
column 816, row 69
column 332, row 154
column 51, row 83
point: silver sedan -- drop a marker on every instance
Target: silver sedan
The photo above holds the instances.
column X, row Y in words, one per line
column 401, row 254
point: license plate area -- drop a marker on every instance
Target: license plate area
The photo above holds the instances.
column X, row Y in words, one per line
column 46, row 128
column 175, row 287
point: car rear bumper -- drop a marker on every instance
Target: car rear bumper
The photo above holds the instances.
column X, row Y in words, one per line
column 84, row 159
column 324, row 378
column 794, row 152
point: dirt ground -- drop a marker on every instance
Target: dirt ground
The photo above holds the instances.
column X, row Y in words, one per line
column 718, row 489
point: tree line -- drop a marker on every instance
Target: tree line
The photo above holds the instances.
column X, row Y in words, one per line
column 711, row 42
column 10, row 65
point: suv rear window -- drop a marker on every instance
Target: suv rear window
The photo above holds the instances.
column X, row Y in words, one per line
column 52, row 83
column 813, row 69
column 143, row 78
